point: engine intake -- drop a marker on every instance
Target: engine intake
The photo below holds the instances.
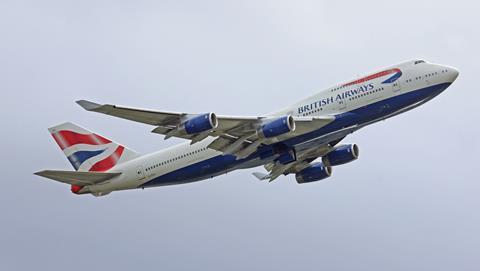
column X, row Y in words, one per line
column 201, row 123
column 313, row 173
column 341, row 155
column 277, row 127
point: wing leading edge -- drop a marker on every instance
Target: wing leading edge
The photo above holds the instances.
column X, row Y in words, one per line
column 237, row 135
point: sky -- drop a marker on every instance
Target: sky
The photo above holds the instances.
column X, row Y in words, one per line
column 410, row 202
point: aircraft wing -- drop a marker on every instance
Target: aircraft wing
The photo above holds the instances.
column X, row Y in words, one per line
column 77, row 177
column 235, row 134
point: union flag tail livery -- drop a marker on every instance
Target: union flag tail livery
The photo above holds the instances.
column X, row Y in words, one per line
column 88, row 151
column 301, row 139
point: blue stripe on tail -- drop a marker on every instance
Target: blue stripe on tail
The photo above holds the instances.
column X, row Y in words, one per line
column 77, row 159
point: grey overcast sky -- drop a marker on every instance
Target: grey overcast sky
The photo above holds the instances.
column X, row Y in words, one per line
column 409, row 203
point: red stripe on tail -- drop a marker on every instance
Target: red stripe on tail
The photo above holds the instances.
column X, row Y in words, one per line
column 67, row 139
column 108, row 162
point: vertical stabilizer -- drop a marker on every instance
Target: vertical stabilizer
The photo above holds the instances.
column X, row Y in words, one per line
column 88, row 151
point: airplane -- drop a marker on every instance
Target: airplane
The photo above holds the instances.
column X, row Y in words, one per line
column 302, row 139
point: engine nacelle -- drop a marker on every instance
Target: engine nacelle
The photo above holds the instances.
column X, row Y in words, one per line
column 313, row 173
column 277, row 127
column 341, row 155
column 200, row 123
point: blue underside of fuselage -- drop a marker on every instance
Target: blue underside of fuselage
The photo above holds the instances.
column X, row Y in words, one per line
column 222, row 163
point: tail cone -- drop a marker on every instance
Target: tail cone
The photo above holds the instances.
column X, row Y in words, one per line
column 76, row 189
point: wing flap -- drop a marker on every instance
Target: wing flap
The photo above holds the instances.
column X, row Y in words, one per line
column 77, row 177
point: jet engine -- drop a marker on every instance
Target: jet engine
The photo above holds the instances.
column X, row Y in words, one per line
column 341, row 155
column 200, row 123
column 277, row 127
column 313, row 173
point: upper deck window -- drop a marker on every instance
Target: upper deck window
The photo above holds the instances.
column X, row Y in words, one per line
column 419, row 61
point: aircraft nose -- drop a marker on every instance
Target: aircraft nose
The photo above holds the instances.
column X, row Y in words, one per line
column 452, row 74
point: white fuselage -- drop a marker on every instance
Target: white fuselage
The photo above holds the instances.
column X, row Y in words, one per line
column 186, row 163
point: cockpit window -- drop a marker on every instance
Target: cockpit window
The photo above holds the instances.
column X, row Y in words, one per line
column 419, row 61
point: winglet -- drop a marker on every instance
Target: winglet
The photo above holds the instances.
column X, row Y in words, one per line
column 87, row 105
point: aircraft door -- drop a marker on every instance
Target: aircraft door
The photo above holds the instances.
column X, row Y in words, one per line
column 140, row 173
column 427, row 81
column 341, row 104
column 396, row 86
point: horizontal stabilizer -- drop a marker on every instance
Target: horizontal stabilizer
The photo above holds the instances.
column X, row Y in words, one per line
column 77, row 177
